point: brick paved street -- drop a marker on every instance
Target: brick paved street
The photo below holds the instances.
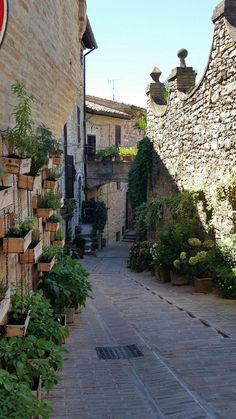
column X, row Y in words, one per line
column 188, row 340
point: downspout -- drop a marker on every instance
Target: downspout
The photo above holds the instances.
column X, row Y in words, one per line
column 85, row 134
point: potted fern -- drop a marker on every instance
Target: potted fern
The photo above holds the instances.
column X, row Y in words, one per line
column 19, row 236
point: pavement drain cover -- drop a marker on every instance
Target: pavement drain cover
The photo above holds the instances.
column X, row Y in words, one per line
column 118, row 352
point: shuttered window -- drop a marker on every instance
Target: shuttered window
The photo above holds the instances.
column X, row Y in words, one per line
column 70, row 173
column 117, row 135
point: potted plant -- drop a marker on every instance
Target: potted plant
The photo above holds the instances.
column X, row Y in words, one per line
column 202, row 264
column 19, row 236
column 179, row 274
column 79, row 244
column 68, row 208
column 17, row 400
column 51, row 182
column 34, row 250
column 19, row 315
column 47, row 259
column 20, row 139
column 48, row 203
column 53, row 223
column 127, row 153
column 59, row 239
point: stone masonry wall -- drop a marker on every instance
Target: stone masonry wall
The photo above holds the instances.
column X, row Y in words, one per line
column 195, row 134
column 42, row 49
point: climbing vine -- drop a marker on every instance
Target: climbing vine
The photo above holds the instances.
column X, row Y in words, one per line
column 140, row 173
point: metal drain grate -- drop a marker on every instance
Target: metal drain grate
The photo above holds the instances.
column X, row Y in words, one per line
column 118, row 352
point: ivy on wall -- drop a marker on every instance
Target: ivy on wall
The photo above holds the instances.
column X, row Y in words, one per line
column 140, row 173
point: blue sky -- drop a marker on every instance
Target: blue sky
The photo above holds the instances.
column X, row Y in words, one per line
column 133, row 36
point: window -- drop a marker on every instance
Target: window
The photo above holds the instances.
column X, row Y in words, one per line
column 117, row 135
column 91, row 147
column 78, row 124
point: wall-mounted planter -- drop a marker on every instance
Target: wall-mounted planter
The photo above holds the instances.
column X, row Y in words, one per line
column 59, row 243
column 26, row 182
column 37, row 392
column 128, row 158
column 17, row 244
column 32, row 254
column 46, row 266
column 16, row 166
column 5, row 307
column 57, row 160
column 17, row 329
column 35, row 200
column 53, row 227
column 6, row 196
column 44, row 212
column 50, row 184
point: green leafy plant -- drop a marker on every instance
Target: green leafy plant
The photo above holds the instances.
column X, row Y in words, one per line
column 17, row 400
column 140, row 173
column 21, row 228
column 59, row 235
column 54, row 174
column 111, row 151
column 22, row 136
column 50, row 251
column 20, row 304
column 140, row 257
column 35, row 237
column 127, row 151
column 54, row 218
column 141, row 123
column 50, row 200
column 95, row 213
column 69, row 206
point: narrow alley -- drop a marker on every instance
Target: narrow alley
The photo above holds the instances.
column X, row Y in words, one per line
column 186, row 368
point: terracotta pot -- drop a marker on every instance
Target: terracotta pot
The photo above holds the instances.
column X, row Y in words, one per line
column 203, row 284
column 179, row 279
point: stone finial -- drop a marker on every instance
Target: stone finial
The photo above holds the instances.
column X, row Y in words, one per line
column 155, row 74
column 182, row 54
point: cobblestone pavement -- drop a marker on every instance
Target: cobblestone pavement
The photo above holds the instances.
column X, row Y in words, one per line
column 188, row 370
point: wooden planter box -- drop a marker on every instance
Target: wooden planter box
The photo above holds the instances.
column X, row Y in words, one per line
column 50, row 184
column 35, row 200
column 26, row 182
column 17, row 329
column 127, row 158
column 38, row 392
column 46, row 266
column 178, row 279
column 17, row 244
column 32, row 255
column 70, row 315
column 5, row 307
column 16, row 166
column 57, row 160
column 52, row 227
column 44, row 212
column 59, row 243
column 6, row 196
column 203, row 284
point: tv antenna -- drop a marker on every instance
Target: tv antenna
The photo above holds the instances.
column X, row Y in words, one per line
column 112, row 82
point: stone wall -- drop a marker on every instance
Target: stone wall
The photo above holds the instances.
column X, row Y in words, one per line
column 42, row 48
column 195, row 133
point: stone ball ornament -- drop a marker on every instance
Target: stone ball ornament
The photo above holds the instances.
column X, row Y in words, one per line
column 4, row 8
column 182, row 54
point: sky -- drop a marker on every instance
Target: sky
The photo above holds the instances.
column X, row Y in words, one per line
column 134, row 36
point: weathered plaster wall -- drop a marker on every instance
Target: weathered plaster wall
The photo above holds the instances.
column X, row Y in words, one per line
column 195, row 134
column 42, row 48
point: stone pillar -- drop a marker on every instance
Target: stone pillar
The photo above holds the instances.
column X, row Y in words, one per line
column 185, row 76
column 156, row 89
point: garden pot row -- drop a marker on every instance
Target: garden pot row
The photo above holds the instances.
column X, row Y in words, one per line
column 200, row 284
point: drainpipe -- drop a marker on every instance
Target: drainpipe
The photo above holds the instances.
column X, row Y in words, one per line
column 85, row 135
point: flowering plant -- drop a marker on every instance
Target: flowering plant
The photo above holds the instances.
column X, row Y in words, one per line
column 140, row 256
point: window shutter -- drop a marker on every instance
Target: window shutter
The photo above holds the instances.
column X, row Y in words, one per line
column 70, row 173
column 117, row 135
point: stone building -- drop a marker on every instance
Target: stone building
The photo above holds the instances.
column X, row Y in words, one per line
column 43, row 48
column 194, row 134
column 110, row 123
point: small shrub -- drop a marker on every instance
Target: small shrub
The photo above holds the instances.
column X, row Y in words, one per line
column 50, row 200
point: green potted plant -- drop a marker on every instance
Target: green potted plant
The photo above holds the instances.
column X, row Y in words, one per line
column 79, row 243
column 17, row 400
column 49, row 202
column 51, row 181
column 68, row 208
column 34, row 251
column 53, row 223
column 19, row 315
column 19, row 236
column 59, row 238
column 47, row 259
column 21, row 139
